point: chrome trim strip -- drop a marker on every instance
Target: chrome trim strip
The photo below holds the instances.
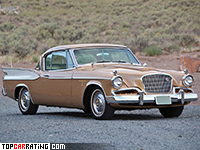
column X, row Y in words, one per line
column 70, row 69
column 44, row 68
column 90, row 78
column 135, row 57
column 40, row 63
column 71, row 51
column 59, row 78
column 125, row 89
column 94, row 83
column 97, row 83
column 24, row 85
column 157, row 74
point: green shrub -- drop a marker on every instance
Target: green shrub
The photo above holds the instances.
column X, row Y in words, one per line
column 46, row 30
column 2, row 48
column 138, row 44
column 20, row 42
column 6, row 27
column 72, row 33
column 35, row 59
column 15, row 60
column 187, row 40
column 48, row 43
column 152, row 50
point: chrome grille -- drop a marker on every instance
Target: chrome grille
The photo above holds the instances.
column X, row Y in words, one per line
column 157, row 83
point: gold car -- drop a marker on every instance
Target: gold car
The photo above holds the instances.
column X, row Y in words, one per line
column 99, row 79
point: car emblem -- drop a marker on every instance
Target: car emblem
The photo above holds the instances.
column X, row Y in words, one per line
column 167, row 79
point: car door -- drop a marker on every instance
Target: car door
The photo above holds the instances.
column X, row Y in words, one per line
column 57, row 79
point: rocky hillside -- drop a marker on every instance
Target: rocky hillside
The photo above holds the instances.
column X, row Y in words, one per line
column 33, row 26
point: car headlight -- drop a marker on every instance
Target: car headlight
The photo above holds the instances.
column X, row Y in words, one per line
column 188, row 80
column 117, row 82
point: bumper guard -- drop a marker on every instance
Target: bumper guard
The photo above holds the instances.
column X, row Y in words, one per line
column 4, row 92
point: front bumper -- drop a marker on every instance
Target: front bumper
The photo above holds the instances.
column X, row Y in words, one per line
column 142, row 99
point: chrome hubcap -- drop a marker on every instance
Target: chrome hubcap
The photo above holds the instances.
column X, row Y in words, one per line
column 98, row 103
column 25, row 100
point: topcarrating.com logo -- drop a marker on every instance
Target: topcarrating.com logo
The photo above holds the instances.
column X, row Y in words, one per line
column 25, row 146
column 32, row 146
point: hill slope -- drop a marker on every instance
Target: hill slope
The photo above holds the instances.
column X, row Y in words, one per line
column 170, row 25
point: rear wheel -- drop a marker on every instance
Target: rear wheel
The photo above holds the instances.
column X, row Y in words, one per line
column 99, row 107
column 170, row 112
column 25, row 104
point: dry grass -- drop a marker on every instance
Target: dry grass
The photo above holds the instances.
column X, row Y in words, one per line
column 41, row 24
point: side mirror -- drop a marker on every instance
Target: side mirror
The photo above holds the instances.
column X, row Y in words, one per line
column 145, row 65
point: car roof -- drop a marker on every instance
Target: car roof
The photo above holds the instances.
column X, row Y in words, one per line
column 74, row 46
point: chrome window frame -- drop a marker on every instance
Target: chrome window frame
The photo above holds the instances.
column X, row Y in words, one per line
column 77, row 65
column 67, row 69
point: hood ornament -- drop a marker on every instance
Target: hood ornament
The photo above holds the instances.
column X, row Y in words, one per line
column 145, row 65
column 186, row 71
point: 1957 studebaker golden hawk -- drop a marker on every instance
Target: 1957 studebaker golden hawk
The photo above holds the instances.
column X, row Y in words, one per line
column 99, row 79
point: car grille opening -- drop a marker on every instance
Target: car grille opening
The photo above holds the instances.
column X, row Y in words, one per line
column 157, row 83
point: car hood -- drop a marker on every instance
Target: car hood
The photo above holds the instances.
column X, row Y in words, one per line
column 131, row 74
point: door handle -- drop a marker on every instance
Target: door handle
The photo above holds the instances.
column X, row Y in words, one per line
column 46, row 76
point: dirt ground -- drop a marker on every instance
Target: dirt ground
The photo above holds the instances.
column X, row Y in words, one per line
column 170, row 62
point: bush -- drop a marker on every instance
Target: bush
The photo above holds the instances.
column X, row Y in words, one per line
column 20, row 42
column 152, row 50
column 35, row 59
column 2, row 51
column 46, row 31
column 139, row 43
column 6, row 27
column 73, row 33
column 187, row 40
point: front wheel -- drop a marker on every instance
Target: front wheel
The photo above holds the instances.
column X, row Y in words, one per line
column 170, row 112
column 25, row 104
column 99, row 107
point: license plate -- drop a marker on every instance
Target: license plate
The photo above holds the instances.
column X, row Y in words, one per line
column 163, row 100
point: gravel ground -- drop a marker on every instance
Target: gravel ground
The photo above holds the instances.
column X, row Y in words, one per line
column 137, row 130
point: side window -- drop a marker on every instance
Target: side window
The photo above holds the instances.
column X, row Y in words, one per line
column 48, row 62
column 69, row 61
column 59, row 60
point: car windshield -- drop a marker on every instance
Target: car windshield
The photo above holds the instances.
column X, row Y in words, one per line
column 103, row 55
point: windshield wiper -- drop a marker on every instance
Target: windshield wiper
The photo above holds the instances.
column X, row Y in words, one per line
column 102, row 61
column 122, row 61
column 118, row 61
